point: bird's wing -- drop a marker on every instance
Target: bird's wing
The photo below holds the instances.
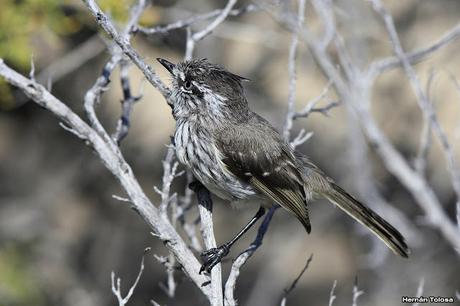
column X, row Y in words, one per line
column 256, row 154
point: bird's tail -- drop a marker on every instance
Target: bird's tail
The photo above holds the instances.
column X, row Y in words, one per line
column 387, row 233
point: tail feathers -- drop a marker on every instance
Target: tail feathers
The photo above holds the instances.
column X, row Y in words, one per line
column 387, row 233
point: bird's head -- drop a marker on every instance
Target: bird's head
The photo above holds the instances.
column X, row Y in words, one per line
column 204, row 88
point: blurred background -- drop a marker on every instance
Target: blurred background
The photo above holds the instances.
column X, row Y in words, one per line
column 62, row 233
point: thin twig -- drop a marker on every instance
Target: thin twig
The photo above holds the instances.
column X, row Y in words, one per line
column 292, row 73
column 121, row 199
column 169, row 173
column 189, row 45
column 71, row 130
column 419, row 291
column 127, row 105
column 288, row 290
column 356, row 293
column 219, row 19
column 32, row 69
column 193, row 38
column 332, row 295
column 301, row 138
column 185, row 23
column 93, row 95
column 103, row 20
column 116, row 289
column 381, row 66
column 168, row 200
column 310, row 106
column 425, row 137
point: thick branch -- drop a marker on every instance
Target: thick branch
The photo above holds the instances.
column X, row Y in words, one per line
column 115, row 163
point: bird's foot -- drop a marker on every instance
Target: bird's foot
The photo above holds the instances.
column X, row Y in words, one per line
column 213, row 256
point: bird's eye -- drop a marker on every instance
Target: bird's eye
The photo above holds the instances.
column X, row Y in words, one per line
column 188, row 85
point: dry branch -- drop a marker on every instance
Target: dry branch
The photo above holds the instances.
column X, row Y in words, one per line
column 115, row 163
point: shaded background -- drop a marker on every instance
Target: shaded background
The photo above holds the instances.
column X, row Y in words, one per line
column 61, row 233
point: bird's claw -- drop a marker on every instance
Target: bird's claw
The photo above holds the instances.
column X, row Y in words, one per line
column 212, row 257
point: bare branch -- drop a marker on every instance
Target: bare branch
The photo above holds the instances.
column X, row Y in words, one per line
column 207, row 232
column 244, row 256
column 413, row 57
column 154, row 303
column 169, row 172
column 323, row 110
column 292, row 73
column 71, row 130
column 458, row 214
column 425, row 137
column 310, row 107
column 116, row 164
column 393, row 160
column 332, row 295
column 167, row 200
column 121, row 199
column 189, row 45
column 288, row 290
column 324, row 9
column 183, row 207
column 220, row 18
column 193, row 38
column 419, row 291
column 125, row 46
column 301, row 138
column 127, row 105
column 116, row 289
column 427, row 108
column 356, row 293
column 186, row 23
column 93, row 96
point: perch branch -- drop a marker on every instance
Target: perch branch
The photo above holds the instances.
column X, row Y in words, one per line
column 207, row 231
column 116, row 164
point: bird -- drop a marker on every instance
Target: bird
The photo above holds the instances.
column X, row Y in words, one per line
column 240, row 157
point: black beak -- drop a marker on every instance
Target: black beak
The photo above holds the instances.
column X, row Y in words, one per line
column 168, row 65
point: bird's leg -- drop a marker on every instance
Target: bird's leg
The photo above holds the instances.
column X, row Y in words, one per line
column 213, row 256
column 262, row 229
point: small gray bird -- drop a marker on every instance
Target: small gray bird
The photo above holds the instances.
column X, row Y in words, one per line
column 237, row 155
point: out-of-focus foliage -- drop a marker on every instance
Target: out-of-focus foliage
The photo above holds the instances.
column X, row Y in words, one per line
column 19, row 20
column 19, row 286
column 23, row 23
